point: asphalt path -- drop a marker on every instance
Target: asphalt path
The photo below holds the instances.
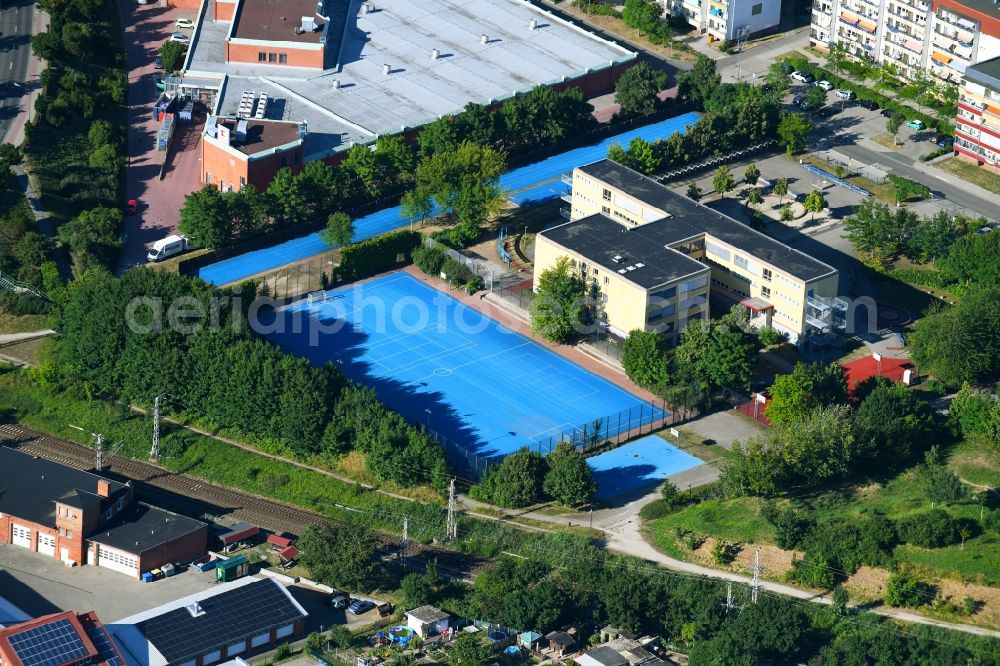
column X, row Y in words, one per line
column 16, row 19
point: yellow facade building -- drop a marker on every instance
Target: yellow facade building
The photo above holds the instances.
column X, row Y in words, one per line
column 658, row 257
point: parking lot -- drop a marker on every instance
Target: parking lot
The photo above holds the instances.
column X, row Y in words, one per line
column 146, row 28
column 322, row 615
column 39, row 585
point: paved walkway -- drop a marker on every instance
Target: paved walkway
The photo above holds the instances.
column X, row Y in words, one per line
column 11, row 338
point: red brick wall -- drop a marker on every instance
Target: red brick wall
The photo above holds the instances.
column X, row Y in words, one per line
column 184, row 4
column 74, row 545
column 987, row 23
column 188, row 547
column 596, row 83
column 225, row 168
column 224, row 11
column 296, row 57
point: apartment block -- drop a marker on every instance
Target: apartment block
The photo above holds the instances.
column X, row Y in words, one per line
column 977, row 125
column 941, row 38
column 660, row 259
column 728, row 19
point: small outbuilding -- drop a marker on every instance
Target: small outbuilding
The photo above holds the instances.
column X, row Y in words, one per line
column 427, row 621
column 602, row 656
column 529, row 640
column 560, row 642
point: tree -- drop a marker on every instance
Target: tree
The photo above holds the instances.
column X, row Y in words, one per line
column 569, row 480
column 933, row 237
column 93, row 235
column 904, row 590
column 722, row 351
column 786, row 214
column 754, row 197
column 793, row 132
column 287, row 204
column 723, row 181
column 637, row 88
column 339, row 554
column 468, row 650
column 905, row 189
column 699, row 82
column 418, row 590
column 558, row 310
column 339, row 230
column 751, row 175
column 101, row 133
column 808, row 386
column 781, row 189
column 516, row 482
column 941, row 485
column 815, row 97
column 876, row 230
column 815, row 203
column 840, row 598
column 892, row 125
column 645, row 359
column 960, row 343
column 694, row 192
column 171, row 55
column 319, row 186
column 836, row 56
column 776, row 77
column 205, row 219
column 891, row 423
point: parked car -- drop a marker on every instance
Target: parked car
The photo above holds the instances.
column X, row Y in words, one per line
column 802, row 77
column 131, row 206
column 982, row 231
column 845, row 94
column 160, row 83
column 944, row 141
column 158, row 63
column 180, row 37
column 167, row 247
column 785, row 67
column 360, row 607
column 797, row 100
column 825, row 85
column 868, row 104
column 340, row 600
column 184, row 24
column 888, row 113
column 916, row 124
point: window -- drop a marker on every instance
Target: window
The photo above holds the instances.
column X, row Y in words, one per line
column 757, row 9
column 62, row 531
column 606, row 280
column 717, row 250
column 272, row 57
column 606, row 194
column 69, row 534
column 741, row 262
column 283, row 58
column 261, row 56
column 243, row 181
column 606, row 210
column 767, row 274
column 765, row 292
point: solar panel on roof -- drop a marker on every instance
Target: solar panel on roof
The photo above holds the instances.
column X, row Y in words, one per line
column 48, row 645
column 103, row 644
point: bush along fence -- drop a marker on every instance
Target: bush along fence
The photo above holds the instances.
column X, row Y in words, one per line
column 708, row 163
column 641, row 419
column 376, row 255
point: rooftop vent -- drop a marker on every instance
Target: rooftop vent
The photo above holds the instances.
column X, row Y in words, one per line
column 336, row 84
column 365, row 8
column 386, row 69
column 308, row 24
column 484, row 39
column 639, row 265
column 435, row 54
column 622, row 271
column 303, row 129
column 618, row 258
column 630, row 268
column 195, row 609
column 532, row 24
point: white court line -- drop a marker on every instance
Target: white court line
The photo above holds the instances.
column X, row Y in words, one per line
column 560, row 428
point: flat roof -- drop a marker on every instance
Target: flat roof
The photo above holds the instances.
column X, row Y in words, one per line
column 260, row 135
column 140, row 527
column 986, row 73
column 601, row 239
column 277, row 20
column 402, row 34
column 30, row 487
column 689, row 218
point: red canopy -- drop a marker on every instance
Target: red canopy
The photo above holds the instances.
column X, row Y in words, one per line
column 288, row 554
column 279, row 541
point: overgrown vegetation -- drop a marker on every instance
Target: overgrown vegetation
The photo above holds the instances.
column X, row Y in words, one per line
column 526, row 477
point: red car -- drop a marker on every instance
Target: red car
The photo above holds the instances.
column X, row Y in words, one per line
column 131, row 206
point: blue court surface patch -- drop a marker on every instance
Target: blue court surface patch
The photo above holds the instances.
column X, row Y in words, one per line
column 516, row 180
column 641, row 462
column 442, row 364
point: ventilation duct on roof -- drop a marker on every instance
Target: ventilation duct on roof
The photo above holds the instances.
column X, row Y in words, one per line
column 386, row 69
column 532, row 24
column 483, row 39
column 336, row 84
column 435, row 54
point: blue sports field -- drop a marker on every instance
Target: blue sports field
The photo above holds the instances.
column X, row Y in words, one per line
column 642, row 462
column 442, row 364
column 528, row 184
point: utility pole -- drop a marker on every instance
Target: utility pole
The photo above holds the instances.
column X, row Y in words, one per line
column 755, row 583
column 99, row 452
column 154, row 451
column 452, row 526
column 729, row 597
column 404, row 547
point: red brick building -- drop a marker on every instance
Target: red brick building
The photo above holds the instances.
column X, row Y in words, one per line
column 60, row 639
column 83, row 518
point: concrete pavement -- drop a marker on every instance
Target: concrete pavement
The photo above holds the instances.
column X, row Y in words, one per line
column 19, row 69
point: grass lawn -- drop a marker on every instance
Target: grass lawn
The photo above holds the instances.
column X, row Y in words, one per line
column 971, row 173
column 976, row 462
column 883, row 192
column 23, row 324
column 887, row 140
column 29, row 351
column 616, row 25
column 978, row 562
column 737, row 520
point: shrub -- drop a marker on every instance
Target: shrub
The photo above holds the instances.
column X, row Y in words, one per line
column 814, row 571
column 22, row 304
column 905, row 590
column 769, row 336
column 931, row 529
column 428, row 259
column 658, row 508
column 724, row 552
column 475, row 283
column 790, row 525
column 374, row 255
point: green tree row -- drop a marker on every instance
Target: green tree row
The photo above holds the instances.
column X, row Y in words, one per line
column 526, row 477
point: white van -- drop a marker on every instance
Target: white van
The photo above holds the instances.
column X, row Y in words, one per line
column 167, row 247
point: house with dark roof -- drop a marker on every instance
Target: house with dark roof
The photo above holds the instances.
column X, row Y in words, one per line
column 235, row 619
column 80, row 517
column 658, row 259
column 60, row 639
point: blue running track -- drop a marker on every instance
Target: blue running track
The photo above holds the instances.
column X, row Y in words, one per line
column 245, row 265
column 640, row 463
column 480, row 385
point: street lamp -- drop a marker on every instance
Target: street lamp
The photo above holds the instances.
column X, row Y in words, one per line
column 428, row 418
column 878, row 363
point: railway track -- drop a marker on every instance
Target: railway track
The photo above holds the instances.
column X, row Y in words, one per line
column 174, row 487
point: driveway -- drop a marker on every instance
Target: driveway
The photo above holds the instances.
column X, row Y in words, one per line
column 146, row 28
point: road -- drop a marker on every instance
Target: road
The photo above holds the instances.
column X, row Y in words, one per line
column 16, row 22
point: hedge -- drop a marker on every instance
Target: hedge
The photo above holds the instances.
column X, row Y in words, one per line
column 375, row 255
column 863, row 92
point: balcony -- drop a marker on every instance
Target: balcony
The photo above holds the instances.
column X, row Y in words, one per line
column 567, row 179
column 567, row 197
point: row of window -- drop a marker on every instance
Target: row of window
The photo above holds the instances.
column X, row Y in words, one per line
column 63, row 532
column 625, row 217
column 279, row 58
